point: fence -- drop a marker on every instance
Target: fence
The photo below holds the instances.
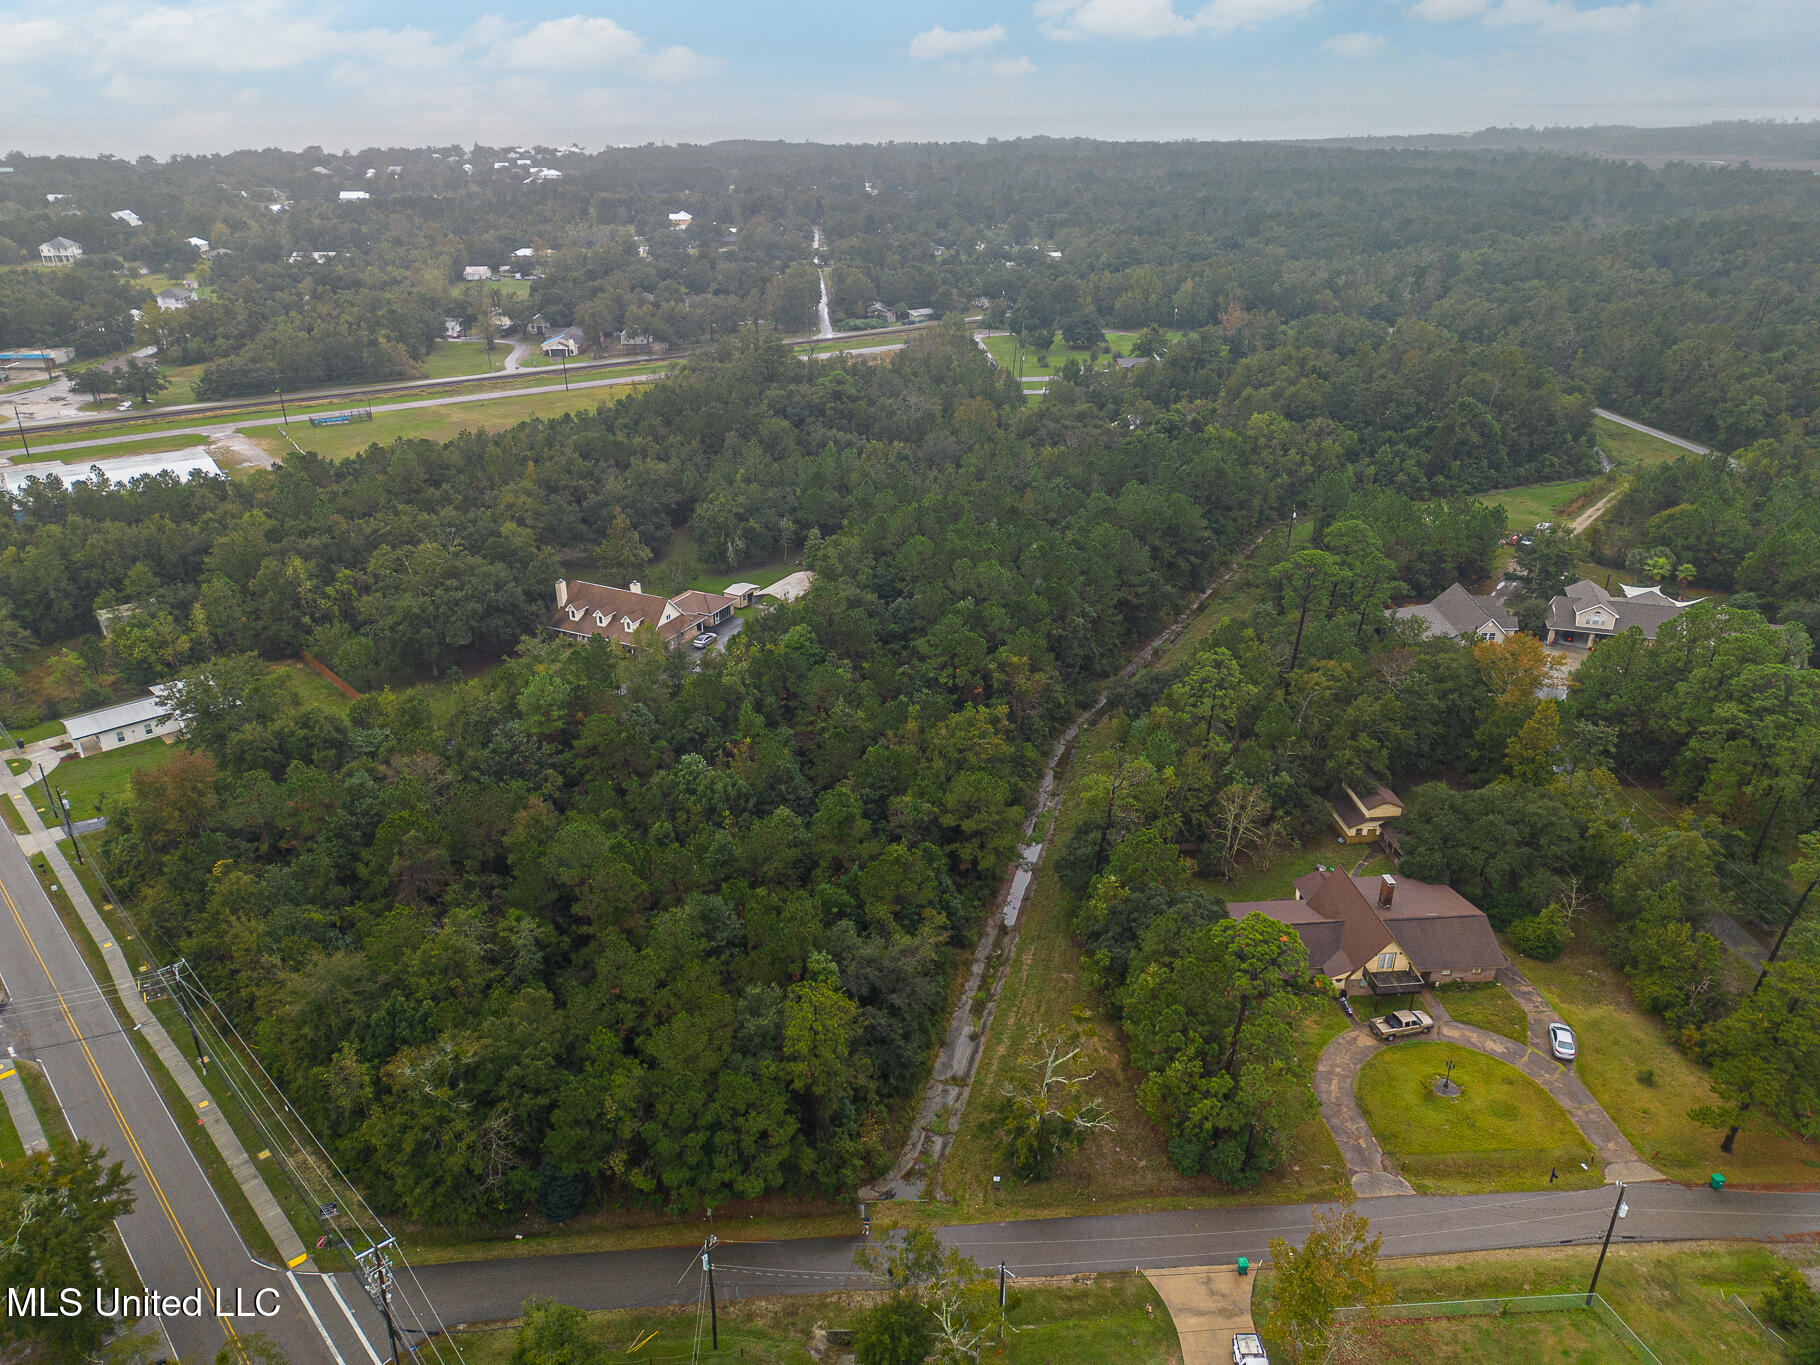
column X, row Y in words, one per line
column 1492, row 1308
column 341, row 419
column 1756, row 1321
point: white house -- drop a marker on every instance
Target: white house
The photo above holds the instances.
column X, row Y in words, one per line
column 349, row 196
column 476, row 272
column 681, row 219
column 175, row 297
column 200, row 243
column 525, row 252
column 128, row 217
column 131, row 722
column 59, row 251
column 567, row 342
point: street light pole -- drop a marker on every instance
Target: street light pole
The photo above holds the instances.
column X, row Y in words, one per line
column 1618, row 1210
column 21, row 422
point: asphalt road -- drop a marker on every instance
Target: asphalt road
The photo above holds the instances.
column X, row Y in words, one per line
column 486, row 1291
column 178, row 1235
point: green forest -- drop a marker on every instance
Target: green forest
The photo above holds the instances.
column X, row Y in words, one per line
column 597, row 928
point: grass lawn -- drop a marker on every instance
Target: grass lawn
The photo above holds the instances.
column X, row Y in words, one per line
column 1576, row 1335
column 83, row 455
column 15, row 766
column 1275, row 880
column 512, row 289
column 449, row 358
column 1674, row 1297
column 47, row 730
column 434, row 424
column 1486, row 1005
column 11, row 1148
column 307, row 687
column 1101, row 1322
column 1524, row 507
column 1647, row 1085
column 10, row 813
column 1627, row 447
column 1004, row 350
column 86, row 781
column 1503, row 1133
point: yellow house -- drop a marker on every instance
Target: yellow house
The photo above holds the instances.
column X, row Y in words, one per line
column 1360, row 819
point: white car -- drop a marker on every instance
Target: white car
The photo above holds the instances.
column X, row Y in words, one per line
column 125, row 407
column 703, row 640
column 1247, row 1349
column 1561, row 1042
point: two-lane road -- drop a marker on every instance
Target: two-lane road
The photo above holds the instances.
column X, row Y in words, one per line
column 487, row 1291
column 179, row 1236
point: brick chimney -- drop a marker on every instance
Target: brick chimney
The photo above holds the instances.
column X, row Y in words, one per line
column 562, row 592
column 1387, row 890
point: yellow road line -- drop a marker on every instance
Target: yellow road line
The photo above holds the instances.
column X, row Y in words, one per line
column 126, row 1129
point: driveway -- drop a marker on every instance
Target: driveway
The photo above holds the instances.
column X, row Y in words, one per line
column 1370, row 1170
column 1208, row 1304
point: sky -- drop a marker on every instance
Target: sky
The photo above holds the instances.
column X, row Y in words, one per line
column 134, row 76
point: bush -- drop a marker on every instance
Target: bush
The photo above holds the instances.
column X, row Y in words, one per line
column 1542, row 936
column 1647, row 1076
column 898, row 1331
column 1792, row 1306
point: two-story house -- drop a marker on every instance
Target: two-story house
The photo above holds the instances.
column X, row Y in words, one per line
column 1586, row 613
column 1360, row 819
column 1460, row 615
column 589, row 609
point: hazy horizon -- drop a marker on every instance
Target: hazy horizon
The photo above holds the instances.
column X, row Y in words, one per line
column 203, row 76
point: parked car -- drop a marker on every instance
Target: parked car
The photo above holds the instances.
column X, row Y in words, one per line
column 125, row 407
column 1561, row 1042
column 703, row 640
column 1247, row 1349
column 1401, row 1024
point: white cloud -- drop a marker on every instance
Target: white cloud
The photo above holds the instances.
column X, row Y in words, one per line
column 1010, row 68
column 32, row 40
column 581, row 42
column 1446, row 11
column 1140, row 19
column 940, row 44
column 1353, row 44
column 1563, row 16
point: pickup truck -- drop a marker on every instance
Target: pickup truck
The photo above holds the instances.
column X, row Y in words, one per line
column 1401, row 1024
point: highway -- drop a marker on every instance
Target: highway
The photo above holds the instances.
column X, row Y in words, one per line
column 488, row 1291
column 178, row 1235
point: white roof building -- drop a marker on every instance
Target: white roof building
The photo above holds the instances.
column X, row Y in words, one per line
column 200, row 243
column 681, row 219
column 59, row 251
column 114, row 727
column 128, row 217
column 348, row 196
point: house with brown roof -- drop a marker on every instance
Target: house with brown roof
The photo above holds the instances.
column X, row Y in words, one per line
column 1360, row 819
column 1384, row 935
column 584, row 610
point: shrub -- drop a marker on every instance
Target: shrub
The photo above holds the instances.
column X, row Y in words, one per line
column 1542, row 936
column 898, row 1331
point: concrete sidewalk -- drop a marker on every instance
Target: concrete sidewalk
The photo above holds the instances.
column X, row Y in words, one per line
column 19, row 1107
column 1209, row 1303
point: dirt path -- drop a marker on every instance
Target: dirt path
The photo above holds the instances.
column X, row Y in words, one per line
column 1597, row 510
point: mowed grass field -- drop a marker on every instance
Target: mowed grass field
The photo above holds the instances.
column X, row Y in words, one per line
column 1627, row 447
column 1676, row 1298
column 1111, row 1320
column 1648, row 1085
column 1004, row 350
column 1503, row 1132
column 1524, row 507
column 435, row 424
column 94, row 784
column 1486, row 1005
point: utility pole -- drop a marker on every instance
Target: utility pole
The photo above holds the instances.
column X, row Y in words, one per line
column 565, row 371
column 63, row 803
column 707, row 1264
column 1618, row 1210
column 22, row 441
column 283, row 410
column 183, row 1009
column 376, row 1269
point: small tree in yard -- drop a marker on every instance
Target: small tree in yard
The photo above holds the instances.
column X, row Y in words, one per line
column 898, row 1331
column 1337, row 1266
column 959, row 1298
column 1046, row 1111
